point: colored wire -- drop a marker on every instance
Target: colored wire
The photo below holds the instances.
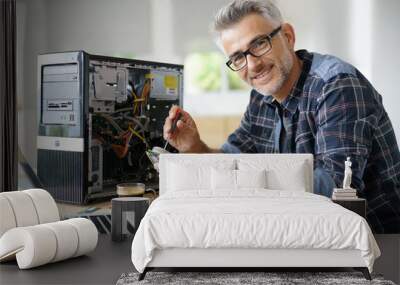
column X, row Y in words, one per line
column 112, row 122
column 137, row 134
column 136, row 121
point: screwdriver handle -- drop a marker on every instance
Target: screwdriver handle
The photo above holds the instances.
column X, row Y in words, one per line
column 175, row 122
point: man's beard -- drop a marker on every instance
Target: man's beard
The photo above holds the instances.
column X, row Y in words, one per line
column 283, row 67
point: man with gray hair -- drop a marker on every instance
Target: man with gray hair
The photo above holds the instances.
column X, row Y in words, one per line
column 304, row 102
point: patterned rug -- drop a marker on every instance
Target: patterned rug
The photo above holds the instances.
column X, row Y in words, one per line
column 102, row 222
column 99, row 216
column 244, row 278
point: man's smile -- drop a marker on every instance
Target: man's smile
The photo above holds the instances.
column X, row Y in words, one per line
column 264, row 76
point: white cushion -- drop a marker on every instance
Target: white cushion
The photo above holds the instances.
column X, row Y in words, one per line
column 227, row 179
column 189, row 175
column 279, row 178
column 251, row 178
column 67, row 240
column 40, row 244
column 223, row 179
column 281, row 175
column 7, row 218
column 87, row 235
column 184, row 177
column 26, row 208
column 34, row 244
column 247, row 161
column 45, row 205
column 23, row 208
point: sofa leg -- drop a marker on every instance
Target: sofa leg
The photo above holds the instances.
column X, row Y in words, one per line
column 142, row 275
column 364, row 271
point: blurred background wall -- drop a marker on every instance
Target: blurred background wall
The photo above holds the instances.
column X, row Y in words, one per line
column 363, row 32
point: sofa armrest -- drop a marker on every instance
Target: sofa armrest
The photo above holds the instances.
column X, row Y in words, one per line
column 40, row 244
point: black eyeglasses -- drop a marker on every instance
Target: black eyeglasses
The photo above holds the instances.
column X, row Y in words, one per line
column 257, row 48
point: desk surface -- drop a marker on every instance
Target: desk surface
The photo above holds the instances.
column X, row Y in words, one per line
column 102, row 266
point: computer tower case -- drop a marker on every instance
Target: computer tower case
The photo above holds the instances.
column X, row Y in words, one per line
column 97, row 117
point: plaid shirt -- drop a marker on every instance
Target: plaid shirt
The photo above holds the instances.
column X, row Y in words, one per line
column 332, row 112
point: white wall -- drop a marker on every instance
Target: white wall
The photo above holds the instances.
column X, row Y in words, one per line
column 99, row 26
column 363, row 32
column 385, row 57
column 193, row 18
column 31, row 40
column 320, row 25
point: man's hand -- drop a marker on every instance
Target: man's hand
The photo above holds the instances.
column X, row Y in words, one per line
column 185, row 137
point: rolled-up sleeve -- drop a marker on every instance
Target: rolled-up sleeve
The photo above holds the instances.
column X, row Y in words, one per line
column 346, row 117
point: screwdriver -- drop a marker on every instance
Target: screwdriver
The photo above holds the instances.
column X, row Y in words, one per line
column 174, row 123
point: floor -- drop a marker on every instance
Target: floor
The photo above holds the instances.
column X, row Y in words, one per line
column 110, row 259
column 71, row 211
column 102, row 266
column 388, row 264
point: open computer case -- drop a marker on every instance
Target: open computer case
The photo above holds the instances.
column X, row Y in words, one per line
column 97, row 117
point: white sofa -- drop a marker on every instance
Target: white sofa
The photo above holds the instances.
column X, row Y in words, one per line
column 31, row 231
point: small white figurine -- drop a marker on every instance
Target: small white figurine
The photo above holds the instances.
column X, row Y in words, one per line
column 345, row 193
column 347, row 174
